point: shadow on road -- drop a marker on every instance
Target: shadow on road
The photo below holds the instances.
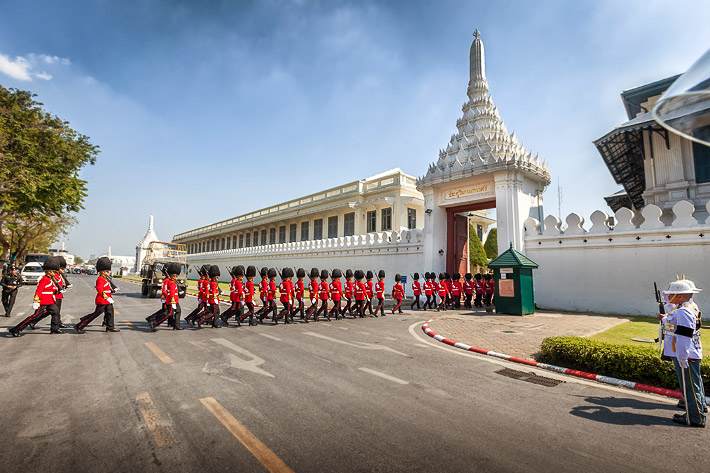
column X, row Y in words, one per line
column 607, row 410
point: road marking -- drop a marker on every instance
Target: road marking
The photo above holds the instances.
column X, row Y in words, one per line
column 322, row 359
column 115, row 311
column 161, row 432
column 241, row 433
column 390, row 338
column 128, row 322
column 162, row 356
column 343, row 328
column 251, row 365
column 361, row 345
column 269, row 336
column 385, row 376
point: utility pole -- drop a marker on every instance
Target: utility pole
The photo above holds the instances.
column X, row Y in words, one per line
column 559, row 199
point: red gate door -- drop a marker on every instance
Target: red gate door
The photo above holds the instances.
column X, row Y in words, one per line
column 457, row 257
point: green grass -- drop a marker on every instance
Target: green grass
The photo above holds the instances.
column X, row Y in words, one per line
column 637, row 327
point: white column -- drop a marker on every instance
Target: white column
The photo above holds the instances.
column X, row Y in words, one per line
column 434, row 233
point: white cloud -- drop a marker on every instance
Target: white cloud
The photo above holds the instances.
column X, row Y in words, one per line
column 23, row 68
column 18, row 69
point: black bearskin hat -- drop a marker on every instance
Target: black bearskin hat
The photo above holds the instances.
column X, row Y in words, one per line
column 300, row 273
column 447, row 276
column 287, row 273
column 238, row 270
column 263, row 272
column 324, row 274
column 173, row 268
column 488, row 276
column 457, row 276
column 441, row 276
column 52, row 264
column 348, row 273
column 359, row 274
column 468, row 276
column 478, row 276
column 214, row 271
column 62, row 262
column 416, row 276
column 251, row 271
column 103, row 264
column 381, row 274
column 397, row 277
column 369, row 274
column 314, row 273
column 427, row 275
column 336, row 274
column 204, row 270
column 271, row 273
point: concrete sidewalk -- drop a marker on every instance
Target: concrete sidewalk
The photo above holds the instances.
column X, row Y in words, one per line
column 519, row 336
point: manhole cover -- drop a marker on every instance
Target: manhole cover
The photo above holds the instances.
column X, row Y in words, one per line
column 530, row 377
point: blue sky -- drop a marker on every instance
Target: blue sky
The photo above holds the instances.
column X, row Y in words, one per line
column 207, row 110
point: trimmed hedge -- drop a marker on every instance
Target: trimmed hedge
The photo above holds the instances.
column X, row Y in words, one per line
column 632, row 363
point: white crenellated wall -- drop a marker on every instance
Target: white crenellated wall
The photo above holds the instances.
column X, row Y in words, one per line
column 598, row 268
column 395, row 252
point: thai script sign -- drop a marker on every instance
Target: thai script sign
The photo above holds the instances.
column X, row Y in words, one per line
column 479, row 191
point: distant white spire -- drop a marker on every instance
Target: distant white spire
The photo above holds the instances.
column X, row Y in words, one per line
column 477, row 62
column 150, row 223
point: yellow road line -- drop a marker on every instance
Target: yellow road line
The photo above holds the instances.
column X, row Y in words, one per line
column 162, row 356
column 127, row 322
column 116, row 312
column 253, row 444
column 161, row 432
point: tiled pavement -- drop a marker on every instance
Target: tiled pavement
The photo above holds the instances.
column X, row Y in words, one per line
column 515, row 335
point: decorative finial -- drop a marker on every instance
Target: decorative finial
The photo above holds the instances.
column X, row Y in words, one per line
column 476, row 33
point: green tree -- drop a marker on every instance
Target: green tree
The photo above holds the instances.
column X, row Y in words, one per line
column 476, row 253
column 78, row 259
column 491, row 245
column 40, row 160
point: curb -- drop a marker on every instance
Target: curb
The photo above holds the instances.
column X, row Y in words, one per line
column 556, row 369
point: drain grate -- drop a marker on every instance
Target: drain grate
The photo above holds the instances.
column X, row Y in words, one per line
column 530, row 377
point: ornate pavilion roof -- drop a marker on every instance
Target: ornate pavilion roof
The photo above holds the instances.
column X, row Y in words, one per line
column 482, row 143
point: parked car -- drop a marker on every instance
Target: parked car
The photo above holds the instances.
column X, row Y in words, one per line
column 31, row 273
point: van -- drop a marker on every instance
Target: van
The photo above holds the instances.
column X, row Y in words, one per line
column 31, row 273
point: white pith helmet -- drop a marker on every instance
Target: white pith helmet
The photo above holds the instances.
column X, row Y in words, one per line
column 682, row 286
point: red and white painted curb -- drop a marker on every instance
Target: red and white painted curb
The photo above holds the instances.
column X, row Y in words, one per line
column 556, row 369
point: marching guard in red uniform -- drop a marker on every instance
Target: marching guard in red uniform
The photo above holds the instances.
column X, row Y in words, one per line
column 171, row 311
column 323, row 295
column 360, row 293
column 103, row 301
column 44, row 300
column 336, row 292
column 417, row 291
column 479, row 287
column 211, row 312
column 299, row 289
column 428, row 291
column 489, row 289
column 236, row 294
column 201, row 295
column 286, row 295
column 468, row 290
column 369, row 290
column 456, row 290
column 249, row 294
column 380, row 293
column 397, row 294
column 348, row 291
column 313, row 293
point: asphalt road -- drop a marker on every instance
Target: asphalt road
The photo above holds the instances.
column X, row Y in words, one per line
column 370, row 394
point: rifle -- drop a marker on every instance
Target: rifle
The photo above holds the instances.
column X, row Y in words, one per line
column 661, row 310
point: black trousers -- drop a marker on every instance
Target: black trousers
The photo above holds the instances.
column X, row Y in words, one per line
column 323, row 308
column 234, row 310
column 348, row 307
column 477, row 302
column 380, row 306
column 192, row 315
column 106, row 309
column 359, row 308
column 170, row 314
column 249, row 313
column 397, row 306
column 211, row 312
column 39, row 314
column 415, row 302
column 467, row 302
column 487, row 299
column 299, row 308
column 335, row 310
column 8, row 300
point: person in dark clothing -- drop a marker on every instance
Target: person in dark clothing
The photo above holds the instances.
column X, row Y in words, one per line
column 10, row 283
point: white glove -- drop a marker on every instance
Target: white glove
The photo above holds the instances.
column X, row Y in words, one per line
column 70, row 286
column 115, row 289
column 110, row 300
column 35, row 305
column 62, row 291
column 208, row 304
column 174, row 306
column 683, row 363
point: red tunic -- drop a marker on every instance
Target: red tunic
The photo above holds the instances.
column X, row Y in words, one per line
column 263, row 289
column 233, row 291
column 467, row 287
column 490, row 287
column 171, row 295
column 46, row 291
column 300, row 289
column 202, row 289
column 416, row 288
column 380, row 289
column 313, row 289
column 336, row 290
column 59, row 280
column 368, row 287
column 478, row 286
column 360, row 291
column 398, row 292
column 213, row 295
column 285, row 292
column 443, row 290
column 323, row 291
column 428, row 288
column 249, row 292
column 103, row 289
column 456, row 288
column 349, row 287
column 272, row 291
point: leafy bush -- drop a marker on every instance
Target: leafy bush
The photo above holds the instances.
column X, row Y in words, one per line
column 632, row 363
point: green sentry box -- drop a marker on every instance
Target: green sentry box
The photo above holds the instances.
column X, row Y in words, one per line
column 513, row 283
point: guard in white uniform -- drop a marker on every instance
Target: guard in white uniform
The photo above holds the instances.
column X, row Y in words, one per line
column 682, row 343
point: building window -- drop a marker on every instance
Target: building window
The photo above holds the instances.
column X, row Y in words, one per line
column 255, row 240
column 272, row 236
column 386, row 219
column 282, row 234
column 333, row 227
column 349, row 224
column 223, row 243
column 241, row 240
column 292, row 232
column 371, row 218
column 701, row 155
column 248, row 238
column 229, row 242
column 318, row 229
column 263, row 237
column 411, row 218
column 304, row 231
column 213, row 244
